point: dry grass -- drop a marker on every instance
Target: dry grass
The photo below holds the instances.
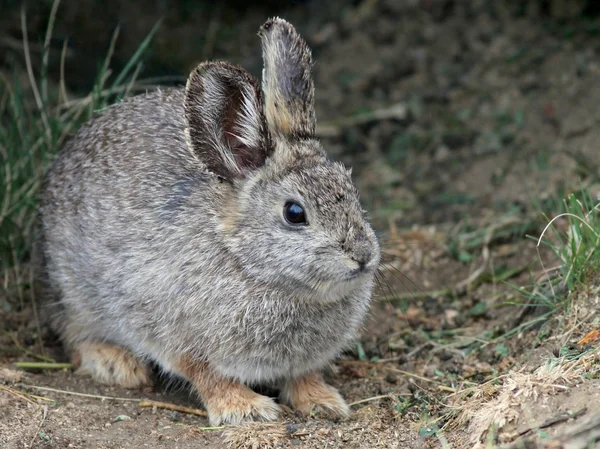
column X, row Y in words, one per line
column 501, row 400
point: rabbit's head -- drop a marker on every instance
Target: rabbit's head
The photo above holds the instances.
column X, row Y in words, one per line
column 289, row 215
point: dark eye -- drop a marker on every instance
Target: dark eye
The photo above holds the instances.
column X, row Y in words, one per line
column 294, row 213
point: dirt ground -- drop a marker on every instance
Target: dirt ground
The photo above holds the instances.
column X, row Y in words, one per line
column 463, row 121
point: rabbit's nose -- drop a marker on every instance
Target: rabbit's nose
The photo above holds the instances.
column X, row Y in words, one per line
column 362, row 254
column 361, row 249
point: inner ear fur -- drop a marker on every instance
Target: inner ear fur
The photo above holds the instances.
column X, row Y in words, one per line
column 226, row 127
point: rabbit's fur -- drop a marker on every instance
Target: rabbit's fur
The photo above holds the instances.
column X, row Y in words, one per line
column 164, row 238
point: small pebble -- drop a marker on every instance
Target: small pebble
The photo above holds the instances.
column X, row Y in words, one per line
column 445, row 356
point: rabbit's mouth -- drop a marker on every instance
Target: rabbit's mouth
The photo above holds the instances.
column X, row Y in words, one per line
column 358, row 268
column 356, row 273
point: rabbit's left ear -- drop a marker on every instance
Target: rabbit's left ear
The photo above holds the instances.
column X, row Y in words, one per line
column 226, row 127
column 287, row 81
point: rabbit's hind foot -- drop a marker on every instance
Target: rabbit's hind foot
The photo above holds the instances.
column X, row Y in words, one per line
column 110, row 364
column 310, row 394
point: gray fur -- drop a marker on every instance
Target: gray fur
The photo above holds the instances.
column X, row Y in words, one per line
column 152, row 240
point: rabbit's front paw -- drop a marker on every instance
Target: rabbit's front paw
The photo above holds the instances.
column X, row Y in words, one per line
column 310, row 394
column 226, row 400
column 109, row 364
column 238, row 405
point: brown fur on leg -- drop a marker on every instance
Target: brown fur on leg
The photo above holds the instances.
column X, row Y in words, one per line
column 310, row 393
column 227, row 401
column 109, row 364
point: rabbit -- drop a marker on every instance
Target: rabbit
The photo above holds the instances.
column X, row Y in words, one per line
column 205, row 230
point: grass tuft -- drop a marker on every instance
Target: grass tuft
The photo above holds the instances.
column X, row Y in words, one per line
column 35, row 120
column 573, row 237
column 577, row 243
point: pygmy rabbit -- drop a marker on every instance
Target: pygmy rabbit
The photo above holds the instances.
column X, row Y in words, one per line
column 205, row 229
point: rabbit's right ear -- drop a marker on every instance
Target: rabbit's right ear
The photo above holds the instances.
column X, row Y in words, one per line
column 226, row 128
column 287, row 81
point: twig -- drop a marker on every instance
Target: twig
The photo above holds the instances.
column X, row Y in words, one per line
column 388, row 368
column 476, row 275
column 566, row 214
column 418, row 295
column 390, row 359
column 63, row 86
column 39, row 427
column 34, row 87
column 84, row 395
column 16, row 393
column 131, row 84
column 374, row 398
column 409, row 374
column 39, row 398
column 46, row 53
column 17, row 45
column 174, row 407
column 86, row 101
column 36, row 317
column 477, row 386
column 104, row 71
column 557, row 419
column 418, row 349
column 44, row 365
column 334, row 128
column 472, row 280
column 578, row 437
column 27, row 351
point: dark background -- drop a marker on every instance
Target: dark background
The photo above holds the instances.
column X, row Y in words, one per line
column 196, row 30
column 442, row 106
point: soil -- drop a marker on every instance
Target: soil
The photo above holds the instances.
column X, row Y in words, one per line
column 494, row 121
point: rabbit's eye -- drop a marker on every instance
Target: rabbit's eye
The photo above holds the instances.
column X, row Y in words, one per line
column 294, row 213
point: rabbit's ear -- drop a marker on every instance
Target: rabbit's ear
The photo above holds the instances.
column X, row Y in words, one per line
column 226, row 128
column 287, row 82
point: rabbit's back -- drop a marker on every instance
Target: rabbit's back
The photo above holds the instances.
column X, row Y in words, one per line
column 110, row 204
column 127, row 152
